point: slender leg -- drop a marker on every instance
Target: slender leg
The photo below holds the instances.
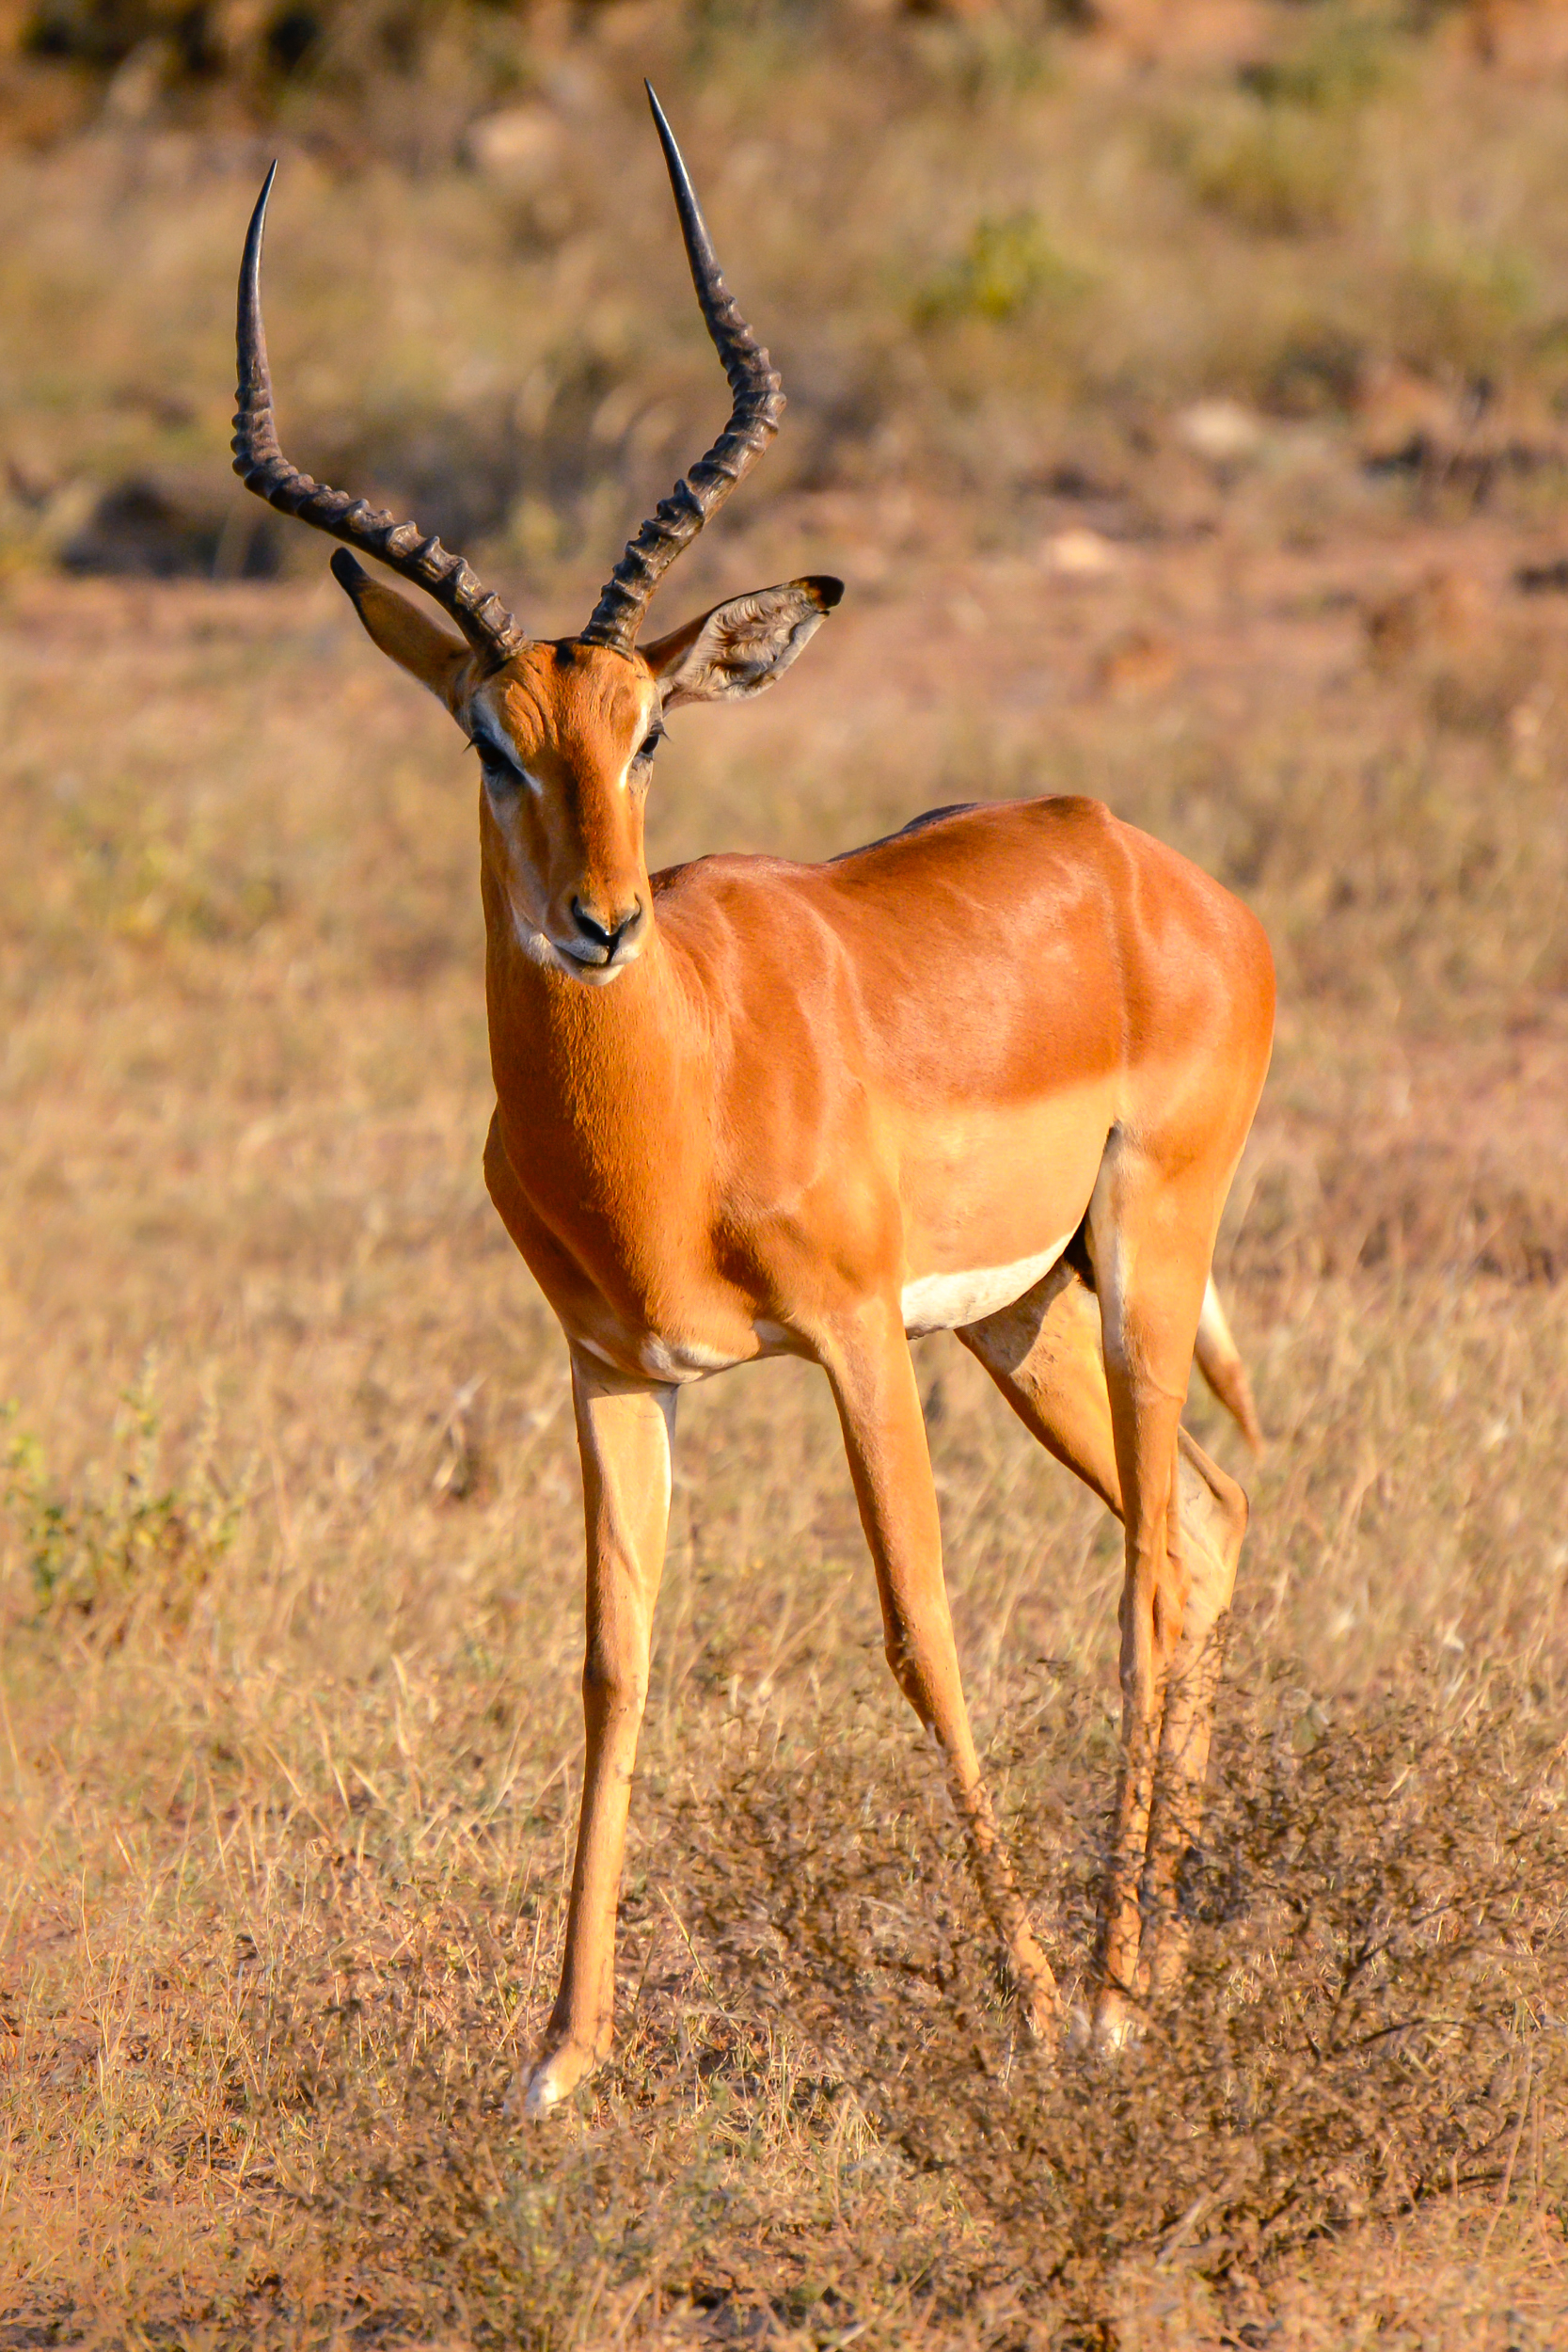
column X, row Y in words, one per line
column 1150, row 1241
column 1044, row 1353
column 1207, row 1499
column 624, row 1431
column 884, row 1436
column 1220, row 1362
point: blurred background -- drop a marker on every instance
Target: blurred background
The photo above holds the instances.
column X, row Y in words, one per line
column 1131, row 266
column 1183, row 392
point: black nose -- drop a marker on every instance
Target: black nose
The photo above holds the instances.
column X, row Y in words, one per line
column 606, row 935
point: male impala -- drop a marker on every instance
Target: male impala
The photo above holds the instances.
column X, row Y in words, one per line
column 991, row 1075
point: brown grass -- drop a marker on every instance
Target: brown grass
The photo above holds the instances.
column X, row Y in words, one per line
column 292, row 1540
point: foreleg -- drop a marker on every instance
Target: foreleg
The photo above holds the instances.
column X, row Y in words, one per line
column 623, row 1432
column 884, row 1435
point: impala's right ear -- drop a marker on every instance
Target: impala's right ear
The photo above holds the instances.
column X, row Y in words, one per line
column 405, row 634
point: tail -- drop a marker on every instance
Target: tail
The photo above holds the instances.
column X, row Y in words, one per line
column 1221, row 1365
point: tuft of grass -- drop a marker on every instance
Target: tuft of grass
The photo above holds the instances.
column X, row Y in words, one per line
column 129, row 1540
column 1272, row 171
column 1456, row 307
column 1007, row 266
column 1377, row 1962
column 1348, row 54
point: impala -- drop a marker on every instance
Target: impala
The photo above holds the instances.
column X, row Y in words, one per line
column 991, row 1075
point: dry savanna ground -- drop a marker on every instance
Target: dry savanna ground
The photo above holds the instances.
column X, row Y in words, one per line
column 1188, row 438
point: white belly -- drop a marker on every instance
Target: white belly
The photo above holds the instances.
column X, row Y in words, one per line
column 945, row 1302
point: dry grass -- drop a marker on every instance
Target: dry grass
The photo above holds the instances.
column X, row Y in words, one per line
column 292, row 1548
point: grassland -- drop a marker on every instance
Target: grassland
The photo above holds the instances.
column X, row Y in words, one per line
column 291, row 1539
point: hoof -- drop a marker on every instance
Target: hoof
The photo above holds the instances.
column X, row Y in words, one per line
column 1115, row 2028
column 545, row 2084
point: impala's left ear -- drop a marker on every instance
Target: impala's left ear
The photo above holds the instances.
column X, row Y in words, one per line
column 743, row 647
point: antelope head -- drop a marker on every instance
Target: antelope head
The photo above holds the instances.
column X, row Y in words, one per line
column 565, row 729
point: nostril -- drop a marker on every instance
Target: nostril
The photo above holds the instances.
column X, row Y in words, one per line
column 605, row 935
column 590, row 926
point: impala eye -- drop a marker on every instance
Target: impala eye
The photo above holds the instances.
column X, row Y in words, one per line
column 499, row 773
column 651, row 742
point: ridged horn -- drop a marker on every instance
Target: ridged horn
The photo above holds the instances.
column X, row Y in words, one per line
column 759, row 401
column 262, row 466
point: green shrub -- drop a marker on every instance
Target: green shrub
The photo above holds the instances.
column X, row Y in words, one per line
column 1007, row 264
column 130, row 1537
column 1276, row 171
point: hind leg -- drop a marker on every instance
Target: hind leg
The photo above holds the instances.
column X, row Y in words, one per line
column 1151, row 1230
column 867, row 1360
column 1045, row 1355
column 1207, row 1499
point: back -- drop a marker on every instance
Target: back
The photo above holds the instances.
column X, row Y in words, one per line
column 961, row 945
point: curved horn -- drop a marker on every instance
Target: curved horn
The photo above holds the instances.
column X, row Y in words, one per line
column 262, row 468
column 759, row 402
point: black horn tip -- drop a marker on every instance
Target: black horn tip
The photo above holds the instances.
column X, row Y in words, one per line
column 258, row 210
column 692, row 225
column 350, row 576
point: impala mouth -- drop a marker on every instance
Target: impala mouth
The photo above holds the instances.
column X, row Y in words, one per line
column 578, row 961
column 593, row 964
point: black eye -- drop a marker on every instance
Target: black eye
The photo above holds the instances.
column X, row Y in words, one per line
column 499, row 774
column 651, row 742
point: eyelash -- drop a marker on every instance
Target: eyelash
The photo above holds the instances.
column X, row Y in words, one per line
column 495, row 769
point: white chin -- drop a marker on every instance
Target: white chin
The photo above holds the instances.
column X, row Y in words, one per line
column 594, row 974
column 541, row 949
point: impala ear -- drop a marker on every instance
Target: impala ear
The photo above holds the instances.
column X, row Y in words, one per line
column 743, row 647
column 403, row 633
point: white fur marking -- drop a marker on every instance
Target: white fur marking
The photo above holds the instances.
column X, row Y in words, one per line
column 1211, row 1323
column 946, row 1302
column 681, row 1360
column 539, row 948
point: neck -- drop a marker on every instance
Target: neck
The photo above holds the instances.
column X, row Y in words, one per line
column 586, row 1076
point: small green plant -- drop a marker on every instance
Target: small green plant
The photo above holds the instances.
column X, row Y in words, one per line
column 1278, row 171
column 1346, row 61
column 1461, row 306
column 1007, row 264
column 133, row 1535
